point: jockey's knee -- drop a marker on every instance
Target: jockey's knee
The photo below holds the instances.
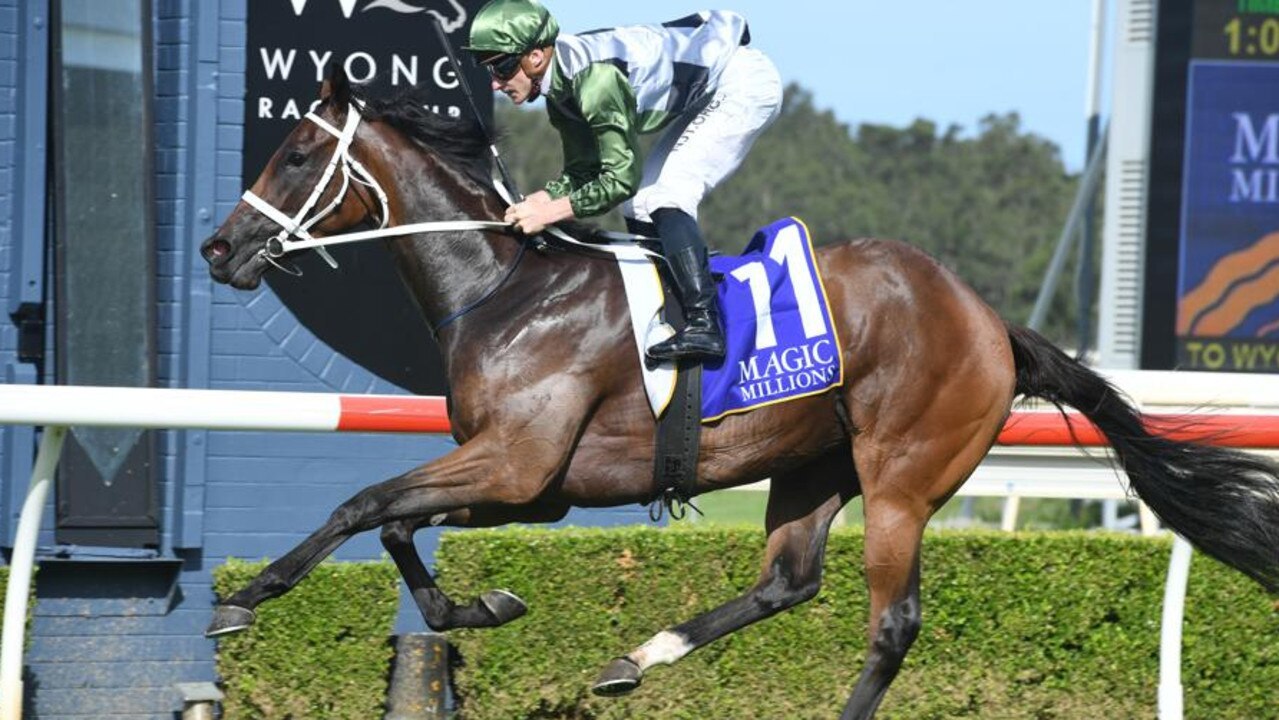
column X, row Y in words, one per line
column 677, row 230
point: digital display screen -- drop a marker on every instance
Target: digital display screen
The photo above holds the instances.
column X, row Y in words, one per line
column 1213, row 240
column 1236, row 30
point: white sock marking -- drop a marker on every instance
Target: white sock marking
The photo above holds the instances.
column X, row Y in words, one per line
column 663, row 648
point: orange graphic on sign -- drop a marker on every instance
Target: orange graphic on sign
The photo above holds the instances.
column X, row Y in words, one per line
column 1238, row 284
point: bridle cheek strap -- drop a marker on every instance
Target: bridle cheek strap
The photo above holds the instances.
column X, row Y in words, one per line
column 299, row 225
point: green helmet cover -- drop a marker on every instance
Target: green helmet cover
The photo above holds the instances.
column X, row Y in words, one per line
column 512, row 26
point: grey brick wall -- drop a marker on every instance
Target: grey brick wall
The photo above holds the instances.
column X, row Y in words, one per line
column 100, row 650
column 8, row 119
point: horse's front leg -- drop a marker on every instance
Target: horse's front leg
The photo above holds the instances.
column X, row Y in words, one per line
column 480, row 472
column 493, row 608
column 800, row 509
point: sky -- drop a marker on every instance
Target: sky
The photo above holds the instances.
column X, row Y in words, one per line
column 892, row 61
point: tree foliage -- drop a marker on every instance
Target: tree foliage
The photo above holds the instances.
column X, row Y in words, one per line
column 990, row 204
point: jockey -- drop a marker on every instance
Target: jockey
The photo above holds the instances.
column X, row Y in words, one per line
column 694, row 78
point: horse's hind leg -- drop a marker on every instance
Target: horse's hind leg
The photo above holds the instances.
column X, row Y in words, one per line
column 894, row 529
column 800, row 509
column 493, row 608
column 906, row 474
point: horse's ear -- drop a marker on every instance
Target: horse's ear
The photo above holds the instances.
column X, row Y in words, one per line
column 336, row 88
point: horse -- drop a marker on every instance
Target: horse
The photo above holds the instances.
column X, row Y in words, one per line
column 548, row 410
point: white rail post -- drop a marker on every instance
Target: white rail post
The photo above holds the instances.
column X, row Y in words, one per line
column 1148, row 519
column 24, row 550
column 1012, row 505
column 1171, row 702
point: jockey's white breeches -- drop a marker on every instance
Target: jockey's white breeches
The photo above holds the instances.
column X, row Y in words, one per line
column 698, row 151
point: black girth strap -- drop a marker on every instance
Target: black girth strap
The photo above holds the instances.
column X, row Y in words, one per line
column 679, row 436
column 679, row 430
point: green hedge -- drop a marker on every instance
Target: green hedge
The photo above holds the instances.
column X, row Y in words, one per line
column 1062, row 625
column 321, row 651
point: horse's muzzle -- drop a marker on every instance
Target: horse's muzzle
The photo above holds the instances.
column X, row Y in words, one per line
column 218, row 253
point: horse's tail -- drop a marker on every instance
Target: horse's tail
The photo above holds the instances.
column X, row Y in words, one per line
column 1226, row 503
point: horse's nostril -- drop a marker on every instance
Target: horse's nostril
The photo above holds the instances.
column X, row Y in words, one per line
column 214, row 249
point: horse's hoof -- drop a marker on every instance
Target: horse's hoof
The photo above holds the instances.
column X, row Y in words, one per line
column 620, row 677
column 228, row 619
column 504, row 605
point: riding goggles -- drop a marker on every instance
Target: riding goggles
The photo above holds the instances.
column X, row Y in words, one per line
column 503, row 67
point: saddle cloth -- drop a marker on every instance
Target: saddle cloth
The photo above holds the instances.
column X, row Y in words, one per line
column 781, row 342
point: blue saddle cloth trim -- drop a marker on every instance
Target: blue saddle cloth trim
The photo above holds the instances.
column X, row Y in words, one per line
column 799, row 359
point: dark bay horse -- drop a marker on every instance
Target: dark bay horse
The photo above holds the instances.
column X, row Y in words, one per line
column 549, row 412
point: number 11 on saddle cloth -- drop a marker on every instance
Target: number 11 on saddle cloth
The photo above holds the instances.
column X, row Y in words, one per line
column 781, row 343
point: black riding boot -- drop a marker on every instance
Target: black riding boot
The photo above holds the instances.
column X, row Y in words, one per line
column 686, row 254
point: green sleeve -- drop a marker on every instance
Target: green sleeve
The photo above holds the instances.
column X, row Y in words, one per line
column 577, row 168
column 601, row 149
column 560, row 186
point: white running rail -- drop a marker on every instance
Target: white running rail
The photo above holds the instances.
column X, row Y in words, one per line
column 59, row 407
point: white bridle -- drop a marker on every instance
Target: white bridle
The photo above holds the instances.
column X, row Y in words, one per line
column 299, row 225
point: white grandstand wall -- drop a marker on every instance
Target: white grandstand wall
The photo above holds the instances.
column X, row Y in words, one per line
column 1127, row 184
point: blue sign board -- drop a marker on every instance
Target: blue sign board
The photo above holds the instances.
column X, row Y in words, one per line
column 1228, row 272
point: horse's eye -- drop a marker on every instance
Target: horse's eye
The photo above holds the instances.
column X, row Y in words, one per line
column 295, row 158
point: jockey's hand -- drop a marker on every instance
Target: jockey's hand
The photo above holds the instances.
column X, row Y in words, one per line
column 532, row 215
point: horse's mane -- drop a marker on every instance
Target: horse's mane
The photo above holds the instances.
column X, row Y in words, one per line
column 461, row 141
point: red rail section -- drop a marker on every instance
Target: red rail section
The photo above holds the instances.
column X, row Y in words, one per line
column 430, row 415
column 380, row 414
column 1237, row 431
